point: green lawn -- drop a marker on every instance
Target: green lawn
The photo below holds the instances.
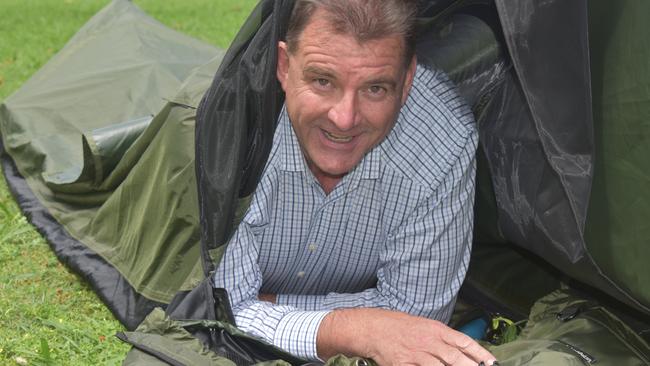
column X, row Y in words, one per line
column 48, row 316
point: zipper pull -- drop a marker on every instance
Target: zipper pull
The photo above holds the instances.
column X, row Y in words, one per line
column 570, row 312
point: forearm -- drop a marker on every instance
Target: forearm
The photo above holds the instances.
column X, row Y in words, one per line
column 357, row 332
column 342, row 332
column 272, row 298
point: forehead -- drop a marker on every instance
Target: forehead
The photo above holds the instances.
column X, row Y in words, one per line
column 318, row 29
column 319, row 41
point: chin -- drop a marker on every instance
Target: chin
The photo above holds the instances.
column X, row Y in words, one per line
column 339, row 170
column 336, row 164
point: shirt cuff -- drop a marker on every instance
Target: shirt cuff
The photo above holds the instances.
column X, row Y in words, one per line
column 297, row 331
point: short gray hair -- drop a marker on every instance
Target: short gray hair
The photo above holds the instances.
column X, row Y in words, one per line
column 364, row 20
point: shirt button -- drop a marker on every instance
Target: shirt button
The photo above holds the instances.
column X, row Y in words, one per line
column 300, row 274
column 312, row 247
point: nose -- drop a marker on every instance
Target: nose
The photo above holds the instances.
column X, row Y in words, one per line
column 345, row 112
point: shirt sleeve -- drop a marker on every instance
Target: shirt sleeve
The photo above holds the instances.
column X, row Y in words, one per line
column 283, row 326
column 425, row 259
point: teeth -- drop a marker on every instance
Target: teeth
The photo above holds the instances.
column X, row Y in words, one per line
column 336, row 138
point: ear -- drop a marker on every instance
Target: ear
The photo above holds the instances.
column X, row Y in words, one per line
column 408, row 80
column 282, row 69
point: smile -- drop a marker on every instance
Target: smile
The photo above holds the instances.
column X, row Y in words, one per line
column 337, row 138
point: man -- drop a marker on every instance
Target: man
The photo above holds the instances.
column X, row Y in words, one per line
column 359, row 232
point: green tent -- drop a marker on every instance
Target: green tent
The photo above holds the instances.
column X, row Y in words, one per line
column 103, row 136
column 135, row 148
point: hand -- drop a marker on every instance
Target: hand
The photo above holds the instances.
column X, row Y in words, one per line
column 272, row 298
column 395, row 338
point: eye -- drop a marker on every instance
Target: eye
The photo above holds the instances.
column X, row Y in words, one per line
column 322, row 83
column 376, row 91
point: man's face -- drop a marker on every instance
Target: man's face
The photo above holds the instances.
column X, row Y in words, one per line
column 342, row 97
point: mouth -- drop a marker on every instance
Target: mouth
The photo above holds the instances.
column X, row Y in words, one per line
column 337, row 138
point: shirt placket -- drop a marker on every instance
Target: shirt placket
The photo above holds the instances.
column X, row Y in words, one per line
column 319, row 243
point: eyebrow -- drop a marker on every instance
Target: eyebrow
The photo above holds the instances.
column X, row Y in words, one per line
column 318, row 71
column 313, row 70
column 382, row 81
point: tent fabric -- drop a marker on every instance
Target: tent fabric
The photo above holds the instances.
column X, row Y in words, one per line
column 557, row 93
column 117, row 184
column 104, row 142
column 564, row 329
column 235, row 123
column 617, row 229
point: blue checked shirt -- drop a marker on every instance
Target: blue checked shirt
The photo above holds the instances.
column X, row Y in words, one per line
column 395, row 232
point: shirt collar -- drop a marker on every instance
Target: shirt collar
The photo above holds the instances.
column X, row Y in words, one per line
column 292, row 159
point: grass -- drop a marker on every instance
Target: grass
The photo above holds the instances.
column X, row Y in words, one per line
column 48, row 315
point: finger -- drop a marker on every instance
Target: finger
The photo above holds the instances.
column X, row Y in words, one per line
column 478, row 353
column 469, row 347
column 450, row 355
column 424, row 359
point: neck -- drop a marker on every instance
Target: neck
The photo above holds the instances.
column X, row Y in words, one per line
column 328, row 182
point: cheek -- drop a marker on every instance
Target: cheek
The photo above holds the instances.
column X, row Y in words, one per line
column 382, row 117
column 306, row 104
column 305, row 112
